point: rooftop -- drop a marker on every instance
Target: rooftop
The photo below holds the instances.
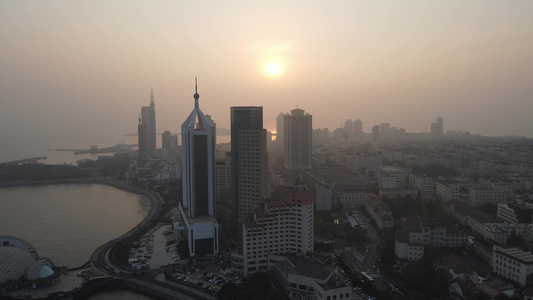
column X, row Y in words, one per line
column 523, row 256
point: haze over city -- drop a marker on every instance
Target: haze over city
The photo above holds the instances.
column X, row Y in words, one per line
column 75, row 73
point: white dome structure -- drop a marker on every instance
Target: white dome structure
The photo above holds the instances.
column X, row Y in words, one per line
column 14, row 262
column 20, row 265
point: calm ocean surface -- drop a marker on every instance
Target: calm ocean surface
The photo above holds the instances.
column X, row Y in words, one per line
column 67, row 222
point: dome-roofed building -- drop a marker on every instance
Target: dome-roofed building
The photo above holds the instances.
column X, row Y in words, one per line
column 39, row 270
column 21, row 266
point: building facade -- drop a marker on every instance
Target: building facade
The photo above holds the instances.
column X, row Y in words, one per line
column 281, row 225
column 302, row 278
column 147, row 130
column 198, row 135
column 366, row 161
column 481, row 196
column 447, row 191
column 513, row 264
column 298, row 134
column 249, row 161
column 223, row 179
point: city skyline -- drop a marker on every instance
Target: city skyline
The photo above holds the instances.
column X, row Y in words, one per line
column 72, row 71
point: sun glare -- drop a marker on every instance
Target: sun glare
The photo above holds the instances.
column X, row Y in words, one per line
column 273, row 68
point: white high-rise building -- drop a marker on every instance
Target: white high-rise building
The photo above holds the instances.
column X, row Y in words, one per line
column 280, row 225
column 198, row 134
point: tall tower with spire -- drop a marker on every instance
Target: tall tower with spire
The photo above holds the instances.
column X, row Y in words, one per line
column 198, row 137
column 148, row 142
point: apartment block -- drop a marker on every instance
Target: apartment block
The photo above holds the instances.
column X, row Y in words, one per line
column 283, row 225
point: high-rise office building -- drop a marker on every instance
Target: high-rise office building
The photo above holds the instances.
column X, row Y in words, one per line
column 375, row 133
column 437, row 129
column 347, row 130
column 249, row 161
column 321, row 137
column 141, row 135
column 357, row 127
column 165, row 140
column 298, row 127
column 279, row 130
column 384, row 130
column 146, row 128
column 198, row 139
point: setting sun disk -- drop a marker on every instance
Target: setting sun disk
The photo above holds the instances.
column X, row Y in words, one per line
column 273, row 68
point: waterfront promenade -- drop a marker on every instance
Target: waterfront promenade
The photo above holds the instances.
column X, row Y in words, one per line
column 70, row 284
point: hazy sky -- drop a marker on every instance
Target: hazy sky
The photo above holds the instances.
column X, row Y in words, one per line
column 75, row 73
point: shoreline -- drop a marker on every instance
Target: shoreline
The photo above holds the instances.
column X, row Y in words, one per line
column 156, row 203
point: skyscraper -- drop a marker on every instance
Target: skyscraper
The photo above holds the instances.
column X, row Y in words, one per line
column 141, row 134
column 437, row 129
column 249, row 158
column 375, row 133
column 165, row 140
column 198, row 134
column 298, row 135
column 384, row 130
column 347, row 130
column 358, row 127
column 279, row 130
column 147, row 131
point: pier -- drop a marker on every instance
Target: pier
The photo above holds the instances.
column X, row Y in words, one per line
column 31, row 160
column 94, row 149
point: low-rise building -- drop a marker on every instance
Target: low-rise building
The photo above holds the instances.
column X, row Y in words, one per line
column 391, row 177
column 379, row 211
column 462, row 289
column 301, row 278
column 412, row 234
column 513, row 264
column 460, row 269
column 404, row 249
column 366, row 161
column 515, row 213
column 425, row 184
column 447, row 191
column 353, row 198
column 480, row 196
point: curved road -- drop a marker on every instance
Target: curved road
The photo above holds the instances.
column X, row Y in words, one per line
column 99, row 258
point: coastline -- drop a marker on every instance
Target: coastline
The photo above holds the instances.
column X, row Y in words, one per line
column 71, row 285
column 153, row 198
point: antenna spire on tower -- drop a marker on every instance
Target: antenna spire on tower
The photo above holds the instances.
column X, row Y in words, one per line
column 196, row 96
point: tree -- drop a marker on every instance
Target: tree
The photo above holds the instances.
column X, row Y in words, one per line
column 515, row 240
column 387, row 253
column 489, row 208
column 438, row 286
column 431, row 253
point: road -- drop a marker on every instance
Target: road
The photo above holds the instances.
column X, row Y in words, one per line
column 99, row 258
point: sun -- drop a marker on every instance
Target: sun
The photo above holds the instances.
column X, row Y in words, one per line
column 273, row 69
